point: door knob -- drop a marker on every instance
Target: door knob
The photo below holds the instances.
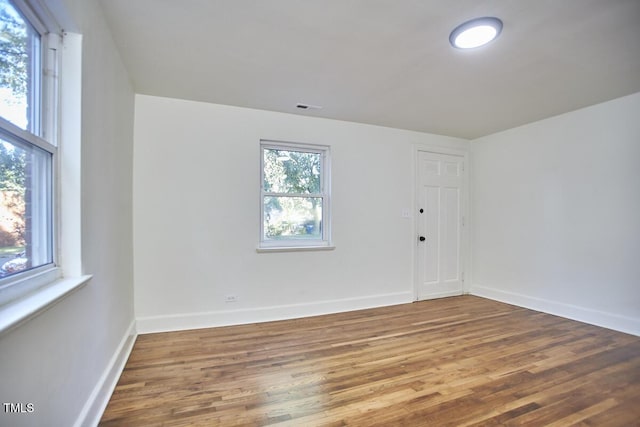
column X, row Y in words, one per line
column 422, row 238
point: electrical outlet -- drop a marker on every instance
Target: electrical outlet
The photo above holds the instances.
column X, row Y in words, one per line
column 230, row 298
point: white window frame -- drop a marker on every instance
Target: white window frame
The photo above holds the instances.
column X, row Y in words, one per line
column 26, row 294
column 44, row 136
column 324, row 243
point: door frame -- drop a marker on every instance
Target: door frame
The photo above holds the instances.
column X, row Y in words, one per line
column 465, row 235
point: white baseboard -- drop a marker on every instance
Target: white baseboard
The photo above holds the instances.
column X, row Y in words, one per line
column 176, row 322
column 99, row 398
column 607, row 320
column 436, row 295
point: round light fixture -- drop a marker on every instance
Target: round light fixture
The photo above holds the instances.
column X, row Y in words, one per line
column 475, row 33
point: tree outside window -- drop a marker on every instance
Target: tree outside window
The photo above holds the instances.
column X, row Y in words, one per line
column 294, row 194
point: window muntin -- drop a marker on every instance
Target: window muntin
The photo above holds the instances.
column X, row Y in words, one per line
column 294, row 195
column 26, row 157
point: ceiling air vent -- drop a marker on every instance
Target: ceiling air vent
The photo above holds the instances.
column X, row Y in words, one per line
column 302, row 106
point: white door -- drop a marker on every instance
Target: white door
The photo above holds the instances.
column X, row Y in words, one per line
column 439, row 225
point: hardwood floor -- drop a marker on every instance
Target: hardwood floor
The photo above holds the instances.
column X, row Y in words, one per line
column 462, row 361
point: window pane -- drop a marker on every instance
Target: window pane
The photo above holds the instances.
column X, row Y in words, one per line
column 25, row 207
column 292, row 218
column 288, row 171
column 19, row 69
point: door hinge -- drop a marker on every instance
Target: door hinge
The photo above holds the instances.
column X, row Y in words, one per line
column 462, row 276
column 462, row 167
column 463, row 223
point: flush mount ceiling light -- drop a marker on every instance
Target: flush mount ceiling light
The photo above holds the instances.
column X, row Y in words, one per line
column 475, row 33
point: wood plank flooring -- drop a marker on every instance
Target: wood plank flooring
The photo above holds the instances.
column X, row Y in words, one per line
column 462, row 361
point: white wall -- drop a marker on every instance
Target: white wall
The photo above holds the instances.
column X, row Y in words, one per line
column 196, row 217
column 557, row 215
column 63, row 360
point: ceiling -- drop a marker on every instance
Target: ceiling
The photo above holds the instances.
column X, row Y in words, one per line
column 383, row 62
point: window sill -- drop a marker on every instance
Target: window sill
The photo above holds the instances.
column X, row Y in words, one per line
column 294, row 248
column 25, row 308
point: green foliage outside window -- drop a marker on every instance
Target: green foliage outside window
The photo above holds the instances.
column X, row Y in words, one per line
column 293, row 210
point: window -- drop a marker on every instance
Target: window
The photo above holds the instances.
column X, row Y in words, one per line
column 39, row 181
column 27, row 143
column 294, row 196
